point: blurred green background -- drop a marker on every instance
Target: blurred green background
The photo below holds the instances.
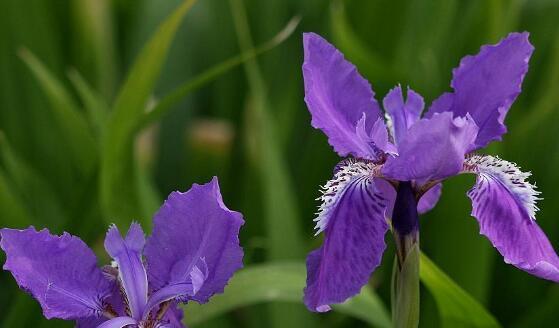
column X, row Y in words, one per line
column 78, row 151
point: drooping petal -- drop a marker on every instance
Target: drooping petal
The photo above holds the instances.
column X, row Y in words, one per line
column 59, row 271
column 127, row 254
column 503, row 202
column 354, row 239
column 403, row 114
column 486, row 85
column 428, row 201
column 337, row 97
column 433, row 149
column 194, row 231
column 118, row 322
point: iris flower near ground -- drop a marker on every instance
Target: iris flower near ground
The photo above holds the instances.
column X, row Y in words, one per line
column 192, row 253
column 397, row 161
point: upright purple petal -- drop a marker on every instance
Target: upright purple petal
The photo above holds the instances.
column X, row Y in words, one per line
column 433, row 149
column 127, row 254
column 59, row 271
column 355, row 226
column 337, row 97
column 194, row 232
column 503, row 202
column 486, row 85
column 403, row 114
column 428, row 201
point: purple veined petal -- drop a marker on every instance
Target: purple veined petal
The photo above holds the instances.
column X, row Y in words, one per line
column 388, row 193
column 486, row 85
column 167, row 293
column 433, row 149
column 59, row 271
column 503, row 202
column 114, row 304
column 127, row 254
column 194, row 229
column 118, row 322
column 337, row 97
column 354, row 238
column 403, row 114
column 428, row 201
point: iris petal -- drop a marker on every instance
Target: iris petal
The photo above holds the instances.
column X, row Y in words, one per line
column 353, row 244
column 338, row 97
column 433, row 149
column 428, row 201
column 118, row 322
column 59, row 271
column 194, row 229
column 403, row 114
column 127, row 253
column 503, row 202
column 487, row 84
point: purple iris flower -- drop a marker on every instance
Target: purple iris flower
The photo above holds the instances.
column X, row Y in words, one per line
column 192, row 253
column 399, row 158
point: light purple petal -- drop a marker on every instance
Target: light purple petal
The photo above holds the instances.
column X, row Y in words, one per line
column 337, row 97
column 433, row 149
column 352, row 248
column 127, row 253
column 486, row 85
column 59, row 271
column 428, row 201
column 503, row 202
column 403, row 114
column 118, row 322
column 167, row 293
column 194, row 231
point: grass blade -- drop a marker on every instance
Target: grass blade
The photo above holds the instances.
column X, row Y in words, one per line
column 120, row 194
column 173, row 97
column 71, row 121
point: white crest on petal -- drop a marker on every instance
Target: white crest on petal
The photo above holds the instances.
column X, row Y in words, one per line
column 510, row 175
column 346, row 172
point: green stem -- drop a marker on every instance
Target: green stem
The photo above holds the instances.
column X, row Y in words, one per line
column 405, row 282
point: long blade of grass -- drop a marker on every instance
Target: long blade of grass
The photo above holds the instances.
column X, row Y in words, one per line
column 280, row 282
column 120, row 194
column 173, row 97
column 71, row 121
column 96, row 107
column 279, row 205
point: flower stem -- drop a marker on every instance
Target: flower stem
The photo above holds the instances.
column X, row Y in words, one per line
column 405, row 285
column 405, row 275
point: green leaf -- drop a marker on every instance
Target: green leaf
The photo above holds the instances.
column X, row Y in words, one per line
column 70, row 120
column 121, row 197
column 456, row 308
column 280, row 282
